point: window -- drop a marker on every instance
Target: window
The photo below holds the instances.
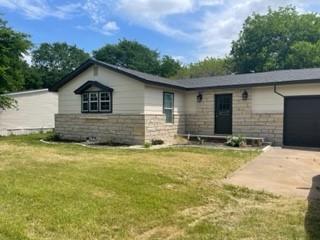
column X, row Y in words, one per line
column 93, row 102
column 168, row 99
column 97, row 102
column 85, row 102
column 105, row 102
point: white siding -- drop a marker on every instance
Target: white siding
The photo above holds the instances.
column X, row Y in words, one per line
column 153, row 99
column 128, row 95
column 264, row 100
column 35, row 110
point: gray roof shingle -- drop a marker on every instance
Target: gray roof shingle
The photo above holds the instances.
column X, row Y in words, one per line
column 236, row 80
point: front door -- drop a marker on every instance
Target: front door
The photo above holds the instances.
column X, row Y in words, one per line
column 223, row 114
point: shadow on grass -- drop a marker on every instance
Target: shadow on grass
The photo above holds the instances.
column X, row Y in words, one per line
column 312, row 219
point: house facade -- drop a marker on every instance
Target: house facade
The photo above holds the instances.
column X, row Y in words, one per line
column 108, row 103
column 34, row 112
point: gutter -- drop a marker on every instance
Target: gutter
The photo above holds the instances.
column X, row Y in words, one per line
column 276, row 92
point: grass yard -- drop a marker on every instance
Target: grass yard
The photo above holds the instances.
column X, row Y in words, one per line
column 71, row 192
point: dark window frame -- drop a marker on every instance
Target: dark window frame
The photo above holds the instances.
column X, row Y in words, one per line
column 99, row 106
column 164, row 108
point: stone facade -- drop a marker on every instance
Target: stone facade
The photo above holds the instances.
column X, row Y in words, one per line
column 157, row 128
column 120, row 128
column 244, row 121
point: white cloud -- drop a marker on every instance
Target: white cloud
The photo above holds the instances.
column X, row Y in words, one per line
column 152, row 13
column 109, row 28
column 27, row 57
column 208, row 25
column 217, row 29
column 38, row 9
column 210, row 2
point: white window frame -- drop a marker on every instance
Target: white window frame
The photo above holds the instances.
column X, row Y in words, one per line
column 99, row 101
column 82, row 102
column 168, row 108
column 95, row 101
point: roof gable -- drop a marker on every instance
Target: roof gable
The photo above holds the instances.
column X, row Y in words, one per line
column 89, row 84
column 133, row 74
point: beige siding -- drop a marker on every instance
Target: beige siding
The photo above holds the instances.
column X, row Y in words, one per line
column 128, row 95
column 35, row 110
column 190, row 102
column 153, row 99
column 264, row 100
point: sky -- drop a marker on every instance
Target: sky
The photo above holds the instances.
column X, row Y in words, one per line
column 188, row 30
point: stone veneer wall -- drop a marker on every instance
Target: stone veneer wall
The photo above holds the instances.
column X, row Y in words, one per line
column 266, row 125
column 120, row 128
column 157, row 128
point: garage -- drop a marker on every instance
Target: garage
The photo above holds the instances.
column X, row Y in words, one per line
column 302, row 121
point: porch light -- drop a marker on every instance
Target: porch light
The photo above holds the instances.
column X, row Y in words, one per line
column 245, row 95
column 199, row 97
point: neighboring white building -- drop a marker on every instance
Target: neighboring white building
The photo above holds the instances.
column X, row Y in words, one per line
column 35, row 112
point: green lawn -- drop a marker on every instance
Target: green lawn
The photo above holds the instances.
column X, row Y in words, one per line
column 67, row 191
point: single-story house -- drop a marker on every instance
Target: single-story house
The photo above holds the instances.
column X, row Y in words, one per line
column 110, row 103
column 34, row 112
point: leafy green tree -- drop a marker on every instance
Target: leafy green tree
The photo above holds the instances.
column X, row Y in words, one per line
column 267, row 41
column 12, row 47
column 205, row 68
column 51, row 62
column 304, row 55
column 169, row 66
column 129, row 54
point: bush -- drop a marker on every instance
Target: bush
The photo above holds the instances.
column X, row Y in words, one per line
column 147, row 145
column 54, row 137
column 236, row 141
column 157, row 142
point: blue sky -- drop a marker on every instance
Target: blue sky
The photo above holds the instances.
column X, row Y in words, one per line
column 188, row 30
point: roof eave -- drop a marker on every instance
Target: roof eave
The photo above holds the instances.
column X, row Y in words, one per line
column 255, row 84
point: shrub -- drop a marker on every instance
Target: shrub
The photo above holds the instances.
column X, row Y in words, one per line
column 236, row 141
column 54, row 137
column 157, row 142
column 147, row 145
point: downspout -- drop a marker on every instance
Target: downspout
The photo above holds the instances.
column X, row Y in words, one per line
column 276, row 92
column 281, row 95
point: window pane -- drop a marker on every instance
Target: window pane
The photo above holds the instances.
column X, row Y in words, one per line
column 94, row 106
column 104, row 96
column 85, row 107
column 85, row 97
column 93, row 96
column 168, row 100
column 105, row 106
column 169, row 115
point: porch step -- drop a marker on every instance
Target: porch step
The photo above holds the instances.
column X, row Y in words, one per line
column 255, row 141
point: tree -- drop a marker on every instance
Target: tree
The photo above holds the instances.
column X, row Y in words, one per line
column 134, row 55
column 205, row 68
column 50, row 62
column 267, row 41
column 12, row 47
column 169, row 66
column 304, row 55
column 129, row 54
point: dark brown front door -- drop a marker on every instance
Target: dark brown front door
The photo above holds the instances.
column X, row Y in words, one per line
column 223, row 114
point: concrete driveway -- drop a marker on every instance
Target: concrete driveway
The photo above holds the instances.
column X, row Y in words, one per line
column 282, row 171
